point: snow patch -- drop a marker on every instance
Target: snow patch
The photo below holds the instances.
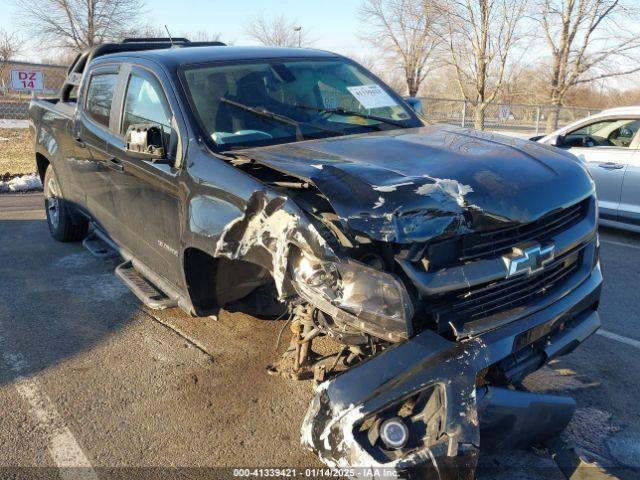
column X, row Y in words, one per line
column 23, row 183
column 8, row 123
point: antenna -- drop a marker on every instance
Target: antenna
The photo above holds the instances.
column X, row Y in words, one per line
column 169, row 33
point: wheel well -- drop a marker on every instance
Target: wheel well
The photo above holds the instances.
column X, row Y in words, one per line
column 213, row 282
column 41, row 163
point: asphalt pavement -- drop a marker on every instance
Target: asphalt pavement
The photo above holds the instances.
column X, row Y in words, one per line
column 91, row 379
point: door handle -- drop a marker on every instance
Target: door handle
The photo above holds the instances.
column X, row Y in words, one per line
column 611, row 166
column 114, row 164
column 79, row 142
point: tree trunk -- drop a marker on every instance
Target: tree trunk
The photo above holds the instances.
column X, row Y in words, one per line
column 478, row 116
column 553, row 118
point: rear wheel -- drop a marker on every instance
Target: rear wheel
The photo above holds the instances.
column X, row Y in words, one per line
column 60, row 222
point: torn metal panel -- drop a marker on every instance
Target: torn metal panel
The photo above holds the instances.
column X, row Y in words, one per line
column 264, row 232
column 416, row 184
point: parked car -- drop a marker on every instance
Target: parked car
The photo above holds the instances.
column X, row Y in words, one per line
column 441, row 265
column 609, row 144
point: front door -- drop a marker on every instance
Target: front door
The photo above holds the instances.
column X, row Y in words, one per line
column 629, row 210
column 147, row 204
column 607, row 146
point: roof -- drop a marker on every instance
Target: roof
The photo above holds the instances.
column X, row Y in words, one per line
column 172, row 57
column 630, row 110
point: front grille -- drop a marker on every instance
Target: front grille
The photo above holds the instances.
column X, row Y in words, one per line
column 497, row 242
column 489, row 299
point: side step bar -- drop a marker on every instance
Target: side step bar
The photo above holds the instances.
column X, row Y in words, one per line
column 98, row 246
column 147, row 292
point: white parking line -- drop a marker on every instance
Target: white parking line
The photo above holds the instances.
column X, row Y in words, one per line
column 63, row 447
column 620, row 244
column 619, row 338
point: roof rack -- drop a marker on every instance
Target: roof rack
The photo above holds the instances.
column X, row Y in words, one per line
column 156, row 39
column 77, row 67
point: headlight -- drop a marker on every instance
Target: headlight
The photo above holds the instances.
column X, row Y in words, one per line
column 356, row 295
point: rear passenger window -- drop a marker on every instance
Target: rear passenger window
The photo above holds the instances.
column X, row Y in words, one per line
column 99, row 96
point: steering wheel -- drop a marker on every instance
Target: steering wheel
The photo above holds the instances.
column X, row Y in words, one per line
column 589, row 141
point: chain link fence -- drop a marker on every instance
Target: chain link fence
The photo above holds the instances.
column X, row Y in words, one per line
column 15, row 95
column 524, row 119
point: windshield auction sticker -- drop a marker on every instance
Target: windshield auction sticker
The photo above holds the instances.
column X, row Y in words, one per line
column 372, row 96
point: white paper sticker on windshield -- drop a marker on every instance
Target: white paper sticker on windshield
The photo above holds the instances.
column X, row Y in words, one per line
column 372, row 96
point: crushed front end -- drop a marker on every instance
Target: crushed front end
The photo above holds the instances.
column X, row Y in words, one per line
column 440, row 292
column 454, row 386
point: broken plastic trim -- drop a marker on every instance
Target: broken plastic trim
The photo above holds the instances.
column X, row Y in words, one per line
column 427, row 361
column 356, row 295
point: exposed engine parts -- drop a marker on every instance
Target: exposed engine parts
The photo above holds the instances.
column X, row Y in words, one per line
column 340, row 349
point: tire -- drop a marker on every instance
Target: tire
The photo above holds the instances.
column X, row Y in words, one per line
column 61, row 225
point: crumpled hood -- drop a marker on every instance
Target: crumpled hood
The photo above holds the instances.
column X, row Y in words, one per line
column 415, row 184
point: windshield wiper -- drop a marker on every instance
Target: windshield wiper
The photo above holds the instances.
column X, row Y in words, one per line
column 262, row 112
column 343, row 111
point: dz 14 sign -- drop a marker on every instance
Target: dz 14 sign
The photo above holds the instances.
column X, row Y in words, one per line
column 28, row 80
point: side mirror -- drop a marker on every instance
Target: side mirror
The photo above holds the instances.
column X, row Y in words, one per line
column 414, row 103
column 557, row 141
column 146, row 142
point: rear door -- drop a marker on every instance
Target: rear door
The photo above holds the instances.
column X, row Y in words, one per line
column 607, row 146
column 147, row 205
column 93, row 126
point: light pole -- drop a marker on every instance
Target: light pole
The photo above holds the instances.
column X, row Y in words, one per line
column 299, row 30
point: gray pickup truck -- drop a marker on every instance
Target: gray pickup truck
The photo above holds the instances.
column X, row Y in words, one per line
column 425, row 270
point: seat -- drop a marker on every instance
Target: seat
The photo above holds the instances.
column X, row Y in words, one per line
column 213, row 89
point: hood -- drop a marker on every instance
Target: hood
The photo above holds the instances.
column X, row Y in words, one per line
column 416, row 184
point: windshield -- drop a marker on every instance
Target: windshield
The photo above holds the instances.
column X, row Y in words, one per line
column 275, row 102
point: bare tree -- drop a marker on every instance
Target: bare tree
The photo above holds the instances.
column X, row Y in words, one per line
column 156, row 31
column 589, row 40
column 78, row 24
column 10, row 45
column 203, row 36
column 278, row 31
column 481, row 36
column 406, row 31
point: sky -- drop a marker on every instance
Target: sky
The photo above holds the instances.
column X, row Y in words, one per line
column 334, row 24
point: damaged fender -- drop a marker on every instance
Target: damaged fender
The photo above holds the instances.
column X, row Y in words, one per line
column 264, row 233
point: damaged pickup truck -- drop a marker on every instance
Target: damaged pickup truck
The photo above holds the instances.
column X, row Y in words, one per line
column 425, row 270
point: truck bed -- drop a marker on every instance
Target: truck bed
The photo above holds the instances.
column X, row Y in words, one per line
column 66, row 109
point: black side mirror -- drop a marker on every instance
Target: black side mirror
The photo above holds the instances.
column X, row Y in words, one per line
column 146, row 142
column 557, row 141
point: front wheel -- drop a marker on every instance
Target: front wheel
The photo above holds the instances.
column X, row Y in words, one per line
column 59, row 219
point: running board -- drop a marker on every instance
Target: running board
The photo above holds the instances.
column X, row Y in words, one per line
column 147, row 292
column 97, row 246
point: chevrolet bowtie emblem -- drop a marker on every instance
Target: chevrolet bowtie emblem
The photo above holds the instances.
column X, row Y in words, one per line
column 528, row 258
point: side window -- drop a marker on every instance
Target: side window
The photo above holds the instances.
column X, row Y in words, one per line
column 605, row 133
column 145, row 103
column 99, row 96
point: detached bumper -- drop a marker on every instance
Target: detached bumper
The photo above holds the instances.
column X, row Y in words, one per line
column 431, row 383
